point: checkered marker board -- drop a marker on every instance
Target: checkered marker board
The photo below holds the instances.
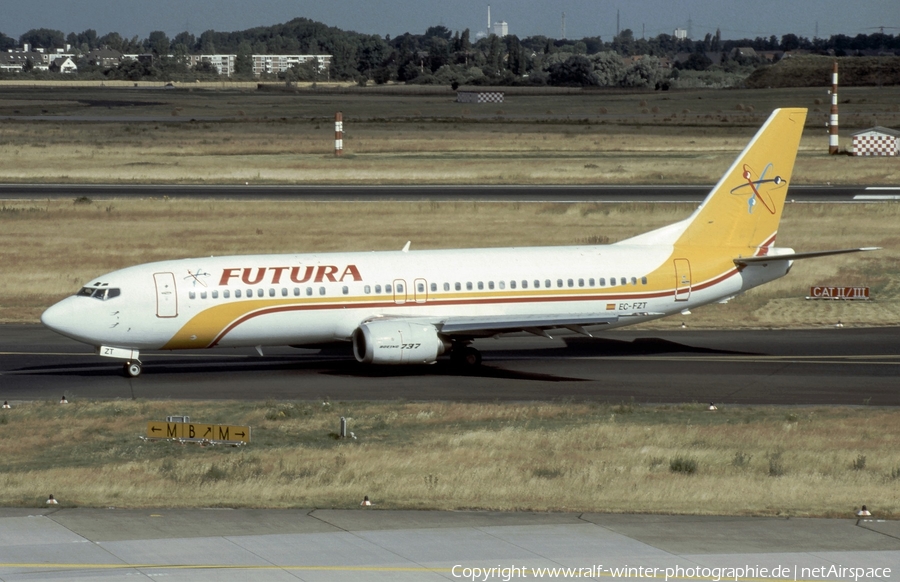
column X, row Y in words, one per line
column 479, row 97
column 875, row 145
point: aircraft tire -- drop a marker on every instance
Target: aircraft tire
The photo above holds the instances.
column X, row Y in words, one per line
column 132, row 369
column 466, row 357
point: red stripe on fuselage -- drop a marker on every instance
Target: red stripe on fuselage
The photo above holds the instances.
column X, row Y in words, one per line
column 390, row 303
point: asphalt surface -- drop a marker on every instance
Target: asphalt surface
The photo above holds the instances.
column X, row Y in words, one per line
column 798, row 193
column 827, row 366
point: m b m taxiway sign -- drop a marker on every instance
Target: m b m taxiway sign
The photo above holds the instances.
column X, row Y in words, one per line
column 197, row 431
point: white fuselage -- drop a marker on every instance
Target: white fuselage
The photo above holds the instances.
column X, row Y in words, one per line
column 258, row 300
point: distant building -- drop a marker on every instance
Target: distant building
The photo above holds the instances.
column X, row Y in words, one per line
column 680, row 34
column 63, row 65
column 280, row 63
column 50, row 55
column 501, row 29
column 104, row 57
column 13, row 61
column 876, row 141
column 224, row 64
column 38, row 59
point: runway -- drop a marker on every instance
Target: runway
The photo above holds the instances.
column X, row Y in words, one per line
column 786, row 367
column 516, row 193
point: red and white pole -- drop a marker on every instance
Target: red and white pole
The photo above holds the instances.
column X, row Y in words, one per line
column 833, row 120
column 338, row 134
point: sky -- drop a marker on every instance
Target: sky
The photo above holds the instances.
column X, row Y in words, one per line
column 736, row 19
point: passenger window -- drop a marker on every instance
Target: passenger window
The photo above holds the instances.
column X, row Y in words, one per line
column 203, row 295
column 558, row 283
column 634, row 280
column 420, row 288
column 602, row 282
column 261, row 292
column 284, row 292
column 570, row 283
column 458, row 286
column 296, row 291
column 524, row 284
column 502, row 284
column 215, row 294
column 192, row 294
column 321, row 290
column 377, row 288
column 581, row 282
column 537, row 284
column 367, row 289
column 249, row 293
column 237, row 293
column 512, row 284
column 434, row 286
column 643, row 280
column 446, row 286
column 469, row 286
column 591, row 282
column 387, row 288
column 226, row 293
column 399, row 288
column 271, row 292
column 345, row 290
column 309, row 291
column 623, row 281
column 490, row 284
column 547, row 283
column 480, row 285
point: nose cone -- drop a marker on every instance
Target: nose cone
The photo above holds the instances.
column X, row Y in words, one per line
column 63, row 318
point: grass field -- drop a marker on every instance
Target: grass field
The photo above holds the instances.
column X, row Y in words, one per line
column 53, row 247
column 92, row 135
column 528, row 456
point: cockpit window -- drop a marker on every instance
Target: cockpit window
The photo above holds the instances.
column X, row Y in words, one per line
column 103, row 293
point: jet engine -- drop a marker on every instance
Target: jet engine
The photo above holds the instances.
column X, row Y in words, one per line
column 394, row 341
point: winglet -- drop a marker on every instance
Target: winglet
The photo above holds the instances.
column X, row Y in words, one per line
column 406, row 247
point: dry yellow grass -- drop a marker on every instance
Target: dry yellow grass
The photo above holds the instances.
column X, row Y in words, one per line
column 108, row 135
column 49, row 249
column 528, row 456
column 387, row 154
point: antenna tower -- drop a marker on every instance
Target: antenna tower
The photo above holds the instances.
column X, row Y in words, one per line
column 563, row 25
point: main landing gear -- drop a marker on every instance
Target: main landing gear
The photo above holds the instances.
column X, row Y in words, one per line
column 132, row 369
column 465, row 356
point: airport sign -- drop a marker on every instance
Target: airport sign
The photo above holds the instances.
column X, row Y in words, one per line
column 198, row 431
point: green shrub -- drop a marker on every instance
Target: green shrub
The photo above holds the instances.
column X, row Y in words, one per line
column 683, row 465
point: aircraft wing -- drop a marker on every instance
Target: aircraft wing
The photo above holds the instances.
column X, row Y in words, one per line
column 488, row 325
column 744, row 261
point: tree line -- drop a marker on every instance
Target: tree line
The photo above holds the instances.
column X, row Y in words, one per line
column 442, row 56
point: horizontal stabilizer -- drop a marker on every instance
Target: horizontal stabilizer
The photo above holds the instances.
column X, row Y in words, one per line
column 794, row 256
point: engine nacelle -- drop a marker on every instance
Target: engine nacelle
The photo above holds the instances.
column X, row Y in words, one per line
column 394, row 341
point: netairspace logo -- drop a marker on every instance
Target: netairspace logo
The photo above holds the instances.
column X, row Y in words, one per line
column 718, row 574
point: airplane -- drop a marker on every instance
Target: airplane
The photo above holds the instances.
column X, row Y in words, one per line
column 410, row 307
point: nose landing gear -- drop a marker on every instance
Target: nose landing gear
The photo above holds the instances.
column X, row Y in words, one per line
column 132, row 369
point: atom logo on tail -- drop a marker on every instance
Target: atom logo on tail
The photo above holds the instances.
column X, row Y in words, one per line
column 759, row 188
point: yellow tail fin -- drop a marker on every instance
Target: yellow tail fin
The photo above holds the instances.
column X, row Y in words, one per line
column 743, row 210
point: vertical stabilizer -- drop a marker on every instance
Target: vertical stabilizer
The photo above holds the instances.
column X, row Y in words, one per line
column 743, row 210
